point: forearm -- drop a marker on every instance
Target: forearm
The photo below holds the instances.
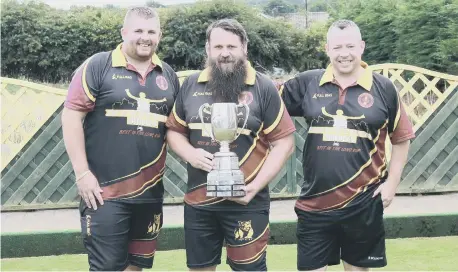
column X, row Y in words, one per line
column 276, row 159
column 398, row 160
column 72, row 128
column 179, row 143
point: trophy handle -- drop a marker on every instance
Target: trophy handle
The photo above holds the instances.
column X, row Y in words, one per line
column 201, row 115
column 247, row 112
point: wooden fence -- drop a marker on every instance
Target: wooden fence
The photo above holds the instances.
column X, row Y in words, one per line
column 36, row 171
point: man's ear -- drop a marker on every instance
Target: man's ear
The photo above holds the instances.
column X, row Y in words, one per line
column 326, row 48
column 123, row 33
column 363, row 46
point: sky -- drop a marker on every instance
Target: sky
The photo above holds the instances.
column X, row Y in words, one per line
column 66, row 4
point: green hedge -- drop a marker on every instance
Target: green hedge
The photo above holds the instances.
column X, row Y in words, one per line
column 16, row 245
column 45, row 44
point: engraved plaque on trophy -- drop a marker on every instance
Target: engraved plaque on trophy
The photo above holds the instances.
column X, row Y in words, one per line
column 226, row 180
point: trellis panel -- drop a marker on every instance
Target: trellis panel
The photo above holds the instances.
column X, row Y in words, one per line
column 36, row 170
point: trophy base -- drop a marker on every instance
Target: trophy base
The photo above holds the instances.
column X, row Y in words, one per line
column 227, row 180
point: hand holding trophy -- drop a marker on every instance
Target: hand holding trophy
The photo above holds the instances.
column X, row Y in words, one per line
column 226, row 180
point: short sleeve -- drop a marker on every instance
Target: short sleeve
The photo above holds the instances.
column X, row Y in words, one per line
column 277, row 121
column 399, row 126
column 176, row 120
column 84, row 86
column 292, row 92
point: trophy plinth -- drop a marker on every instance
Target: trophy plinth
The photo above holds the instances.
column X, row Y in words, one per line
column 226, row 180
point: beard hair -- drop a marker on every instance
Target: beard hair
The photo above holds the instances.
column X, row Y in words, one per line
column 226, row 86
column 132, row 52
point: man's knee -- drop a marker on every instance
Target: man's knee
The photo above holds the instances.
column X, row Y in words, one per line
column 108, row 265
column 210, row 268
column 259, row 264
column 324, row 268
column 133, row 268
column 349, row 267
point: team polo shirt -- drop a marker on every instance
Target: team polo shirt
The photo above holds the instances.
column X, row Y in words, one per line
column 268, row 121
column 344, row 151
column 124, row 128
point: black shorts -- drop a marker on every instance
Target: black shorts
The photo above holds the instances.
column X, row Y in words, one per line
column 246, row 235
column 359, row 239
column 118, row 234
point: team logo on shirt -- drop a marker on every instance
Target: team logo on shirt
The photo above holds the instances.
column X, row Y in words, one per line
column 246, row 97
column 339, row 132
column 139, row 113
column 366, row 100
column 244, row 231
column 162, row 83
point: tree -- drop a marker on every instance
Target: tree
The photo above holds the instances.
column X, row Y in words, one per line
column 272, row 43
column 45, row 44
column 154, row 4
column 278, row 7
column 420, row 33
column 320, row 5
column 427, row 34
column 377, row 22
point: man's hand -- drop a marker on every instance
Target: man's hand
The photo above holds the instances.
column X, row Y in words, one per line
column 387, row 192
column 89, row 190
column 201, row 159
column 250, row 194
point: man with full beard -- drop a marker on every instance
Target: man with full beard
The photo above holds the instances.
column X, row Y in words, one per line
column 114, row 132
column 262, row 148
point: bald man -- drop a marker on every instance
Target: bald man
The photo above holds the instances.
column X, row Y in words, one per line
column 350, row 112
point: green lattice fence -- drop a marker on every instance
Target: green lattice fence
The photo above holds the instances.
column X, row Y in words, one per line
column 40, row 174
column 433, row 156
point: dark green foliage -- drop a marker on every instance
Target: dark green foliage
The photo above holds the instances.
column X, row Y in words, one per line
column 428, row 34
column 278, row 7
column 423, row 33
column 42, row 43
column 45, row 44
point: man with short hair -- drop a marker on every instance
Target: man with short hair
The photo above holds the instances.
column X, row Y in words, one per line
column 242, row 222
column 350, row 111
column 114, row 130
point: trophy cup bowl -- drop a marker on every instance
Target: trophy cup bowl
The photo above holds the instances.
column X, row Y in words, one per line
column 226, row 180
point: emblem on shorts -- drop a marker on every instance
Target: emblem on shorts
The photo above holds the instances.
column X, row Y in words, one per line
column 246, row 97
column 155, row 225
column 88, row 225
column 366, row 100
column 244, row 232
column 161, row 82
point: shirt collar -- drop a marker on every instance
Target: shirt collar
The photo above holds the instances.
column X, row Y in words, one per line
column 365, row 80
column 119, row 60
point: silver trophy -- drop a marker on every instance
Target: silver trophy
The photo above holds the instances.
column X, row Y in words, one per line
column 227, row 180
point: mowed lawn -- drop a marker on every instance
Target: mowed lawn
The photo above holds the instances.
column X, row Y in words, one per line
column 425, row 254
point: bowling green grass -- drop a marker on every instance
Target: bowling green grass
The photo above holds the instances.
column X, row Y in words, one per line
column 426, row 254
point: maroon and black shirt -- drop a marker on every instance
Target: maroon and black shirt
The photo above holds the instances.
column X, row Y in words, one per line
column 268, row 121
column 124, row 127
column 344, row 151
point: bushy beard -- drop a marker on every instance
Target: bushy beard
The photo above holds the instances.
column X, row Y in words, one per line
column 226, row 86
